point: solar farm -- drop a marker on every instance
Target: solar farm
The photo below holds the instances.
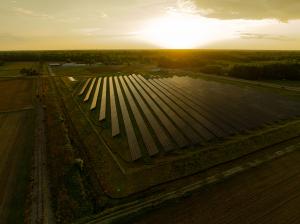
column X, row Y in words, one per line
column 172, row 114
column 140, row 131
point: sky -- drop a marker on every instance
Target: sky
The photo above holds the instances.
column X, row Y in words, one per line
column 148, row 24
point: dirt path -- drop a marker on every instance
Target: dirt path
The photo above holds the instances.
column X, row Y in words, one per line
column 41, row 211
column 266, row 194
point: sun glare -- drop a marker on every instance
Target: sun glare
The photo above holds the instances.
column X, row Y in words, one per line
column 185, row 31
column 178, row 31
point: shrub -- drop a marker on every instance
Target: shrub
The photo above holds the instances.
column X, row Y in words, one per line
column 29, row 72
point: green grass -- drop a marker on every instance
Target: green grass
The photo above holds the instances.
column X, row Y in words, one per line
column 71, row 71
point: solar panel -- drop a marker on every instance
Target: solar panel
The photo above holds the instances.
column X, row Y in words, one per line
column 167, row 105
column 183, row 111
column 115, row 129
column 144, row 130
column 84, row 86
column 159, row 131
column 87, row 96
column 102, row 114
column 96, row 94
column 174, row 132
column 212, row 103
column 199, row 113
column 131, row 137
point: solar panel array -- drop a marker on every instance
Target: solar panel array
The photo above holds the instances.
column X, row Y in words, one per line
column 174, row 113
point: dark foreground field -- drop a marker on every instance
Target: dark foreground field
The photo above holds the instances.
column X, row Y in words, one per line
column 266, row 194
column 17, row 137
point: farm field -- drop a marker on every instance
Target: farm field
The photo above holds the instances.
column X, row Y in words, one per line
column 18, row 94
column 17, row 137
column 266, row 194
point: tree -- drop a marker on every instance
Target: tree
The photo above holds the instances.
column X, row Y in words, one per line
column 29, row 72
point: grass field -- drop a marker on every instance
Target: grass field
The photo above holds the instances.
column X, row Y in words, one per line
column 18, row 94
column 102, row 69
column 14, row 68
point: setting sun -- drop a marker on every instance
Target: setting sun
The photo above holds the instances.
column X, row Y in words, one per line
column 185, row 31
column 178, row 31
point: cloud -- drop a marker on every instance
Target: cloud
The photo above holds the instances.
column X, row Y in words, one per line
column 96, row 32
column 91, row 31
column 283, row 10
column 11, row 38
column 103, row 15
column 27, row 12
column 264, row 36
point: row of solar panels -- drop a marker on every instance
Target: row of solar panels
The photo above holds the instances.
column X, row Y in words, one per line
column 175, row 112
column 151, row 108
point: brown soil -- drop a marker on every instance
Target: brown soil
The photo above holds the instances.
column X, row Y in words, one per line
column 16, row 94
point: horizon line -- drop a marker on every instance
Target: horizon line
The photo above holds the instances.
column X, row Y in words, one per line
column 148, row 49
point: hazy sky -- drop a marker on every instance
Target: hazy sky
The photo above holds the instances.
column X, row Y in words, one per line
column 126, row 24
